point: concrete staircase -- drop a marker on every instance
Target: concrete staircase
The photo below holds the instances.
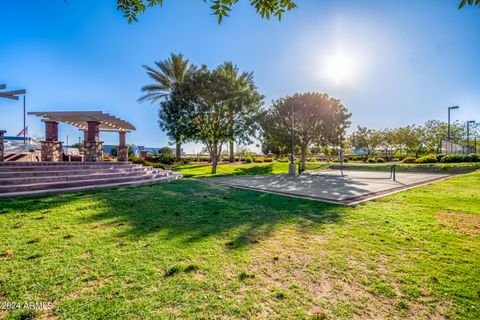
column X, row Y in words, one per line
column 19, row 179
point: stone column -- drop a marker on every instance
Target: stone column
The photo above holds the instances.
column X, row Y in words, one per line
column 2, row 133
column 122, row 149
column 93, row 146
column 51, row 147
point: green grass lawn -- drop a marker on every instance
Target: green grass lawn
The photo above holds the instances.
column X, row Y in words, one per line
column 191, row 250
column 204, row 170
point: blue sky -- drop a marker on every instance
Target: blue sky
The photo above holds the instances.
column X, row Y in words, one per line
column 392, row 63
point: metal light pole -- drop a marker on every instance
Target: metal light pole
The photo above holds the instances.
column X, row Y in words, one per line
column 450, row 108
column 468, row 132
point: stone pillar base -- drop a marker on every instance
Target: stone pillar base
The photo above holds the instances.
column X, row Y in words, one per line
column 1, row 145
column 51, row 151
column 93, row 151
column 122, row 153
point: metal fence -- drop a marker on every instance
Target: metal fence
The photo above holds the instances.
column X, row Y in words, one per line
column 450, row 147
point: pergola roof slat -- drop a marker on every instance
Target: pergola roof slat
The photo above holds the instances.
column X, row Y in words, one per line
column 80, row 118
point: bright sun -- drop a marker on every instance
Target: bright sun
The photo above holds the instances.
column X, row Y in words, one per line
column 340, row 68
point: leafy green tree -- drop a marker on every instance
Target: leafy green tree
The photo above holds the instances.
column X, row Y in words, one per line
column 204, row 102
column 368, row 140
column 167, row 75
column 318, row 118
column 469, row 2
column 246, row 97
column 221, row 8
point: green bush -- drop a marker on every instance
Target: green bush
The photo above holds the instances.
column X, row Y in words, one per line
column 311, row 160
column 380, row 160
column 186, row 161
column 354, row 158
column 283, row 160
column 427, row 159
column 248, row 159
column 136, row 160
column 372, row 160
column 455, row 158
column 395, row 159
column 345, row 160
column 267, row 159
column 409, row 160
column 159, row 166
column 258, row 159
column 204, row 159
column 166, row 158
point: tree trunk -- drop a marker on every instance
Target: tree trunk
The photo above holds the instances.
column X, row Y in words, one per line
column 304, row 158
column 178, row 150
column 214, row 155
column 232, row 152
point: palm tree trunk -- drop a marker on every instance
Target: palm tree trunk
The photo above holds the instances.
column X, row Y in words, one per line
column 232, row 152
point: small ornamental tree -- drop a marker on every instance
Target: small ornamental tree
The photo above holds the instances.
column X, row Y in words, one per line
column 317, row 118
column 205, row 103
column 366, row 139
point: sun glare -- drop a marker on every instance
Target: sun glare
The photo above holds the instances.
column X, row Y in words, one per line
column 340, row 68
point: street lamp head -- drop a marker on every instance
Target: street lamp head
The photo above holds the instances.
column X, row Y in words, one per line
column 454, row 107
column 471, row 121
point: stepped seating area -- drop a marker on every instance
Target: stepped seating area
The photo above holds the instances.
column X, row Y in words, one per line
column 38, row 178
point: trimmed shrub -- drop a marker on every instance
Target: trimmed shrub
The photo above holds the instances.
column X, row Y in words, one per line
column 283, row 160
column 380, row 160
column 311, row 160
column 427, row 159
column 455, row 158
column 372, row 160
column 354, row 158
column 136, row 160
column 159, row 166
column 395, row 159
column 409, row 160
column 166, row 158
column 267, row 159
column 258, row 159
column 248, row 159
column 186, row 161
column 204, row 159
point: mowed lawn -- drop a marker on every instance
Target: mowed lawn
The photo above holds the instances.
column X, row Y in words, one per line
column 189, row 250
column 236, row 169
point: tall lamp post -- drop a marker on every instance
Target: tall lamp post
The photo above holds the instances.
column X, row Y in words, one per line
column 450, row 108
column 468, row 132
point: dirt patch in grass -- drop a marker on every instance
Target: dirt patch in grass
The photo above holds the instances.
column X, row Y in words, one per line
column 92, row 285
column 299, row 268
column 460, row 222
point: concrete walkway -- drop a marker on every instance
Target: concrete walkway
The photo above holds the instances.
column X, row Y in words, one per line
column 330, row 186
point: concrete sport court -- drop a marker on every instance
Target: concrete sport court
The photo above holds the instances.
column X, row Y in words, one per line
column 331, row 186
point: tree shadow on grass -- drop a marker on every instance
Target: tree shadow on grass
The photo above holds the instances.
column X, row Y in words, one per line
column 190, row 212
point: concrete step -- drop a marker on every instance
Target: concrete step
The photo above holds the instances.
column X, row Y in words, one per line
column 54, row 173
column 81, row 183
column 15, row 194
column 20, row 168
column 50, row 164
column 78, row 177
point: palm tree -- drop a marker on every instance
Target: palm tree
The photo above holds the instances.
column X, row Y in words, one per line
column 245, row 81
column 169, row 73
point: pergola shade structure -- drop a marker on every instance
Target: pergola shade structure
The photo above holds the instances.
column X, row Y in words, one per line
column 91, row 123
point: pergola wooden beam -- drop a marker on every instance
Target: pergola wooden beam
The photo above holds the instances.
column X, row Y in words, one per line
column 10, row 94
column 80, row 120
